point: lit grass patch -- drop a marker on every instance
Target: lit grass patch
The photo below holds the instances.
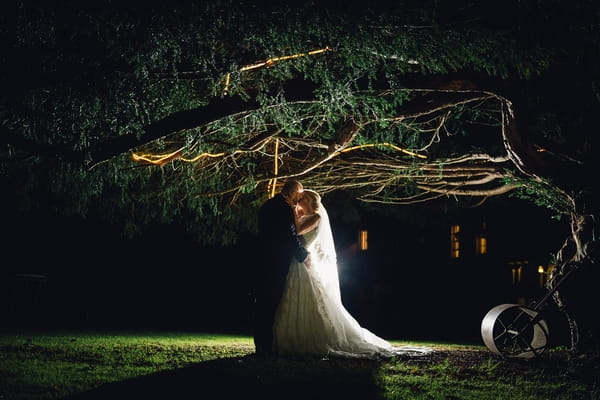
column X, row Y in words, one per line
column 54, row 365
column 123, row 365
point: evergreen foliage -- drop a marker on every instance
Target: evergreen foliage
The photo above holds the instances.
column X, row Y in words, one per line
column 87, row 85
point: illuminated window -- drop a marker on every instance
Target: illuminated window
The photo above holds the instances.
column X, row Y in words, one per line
column 481, row 240
column 542, row 278
column 363, row 243
column 517, row 270
column 480, row 245
column 516, row 274
column 454, row 241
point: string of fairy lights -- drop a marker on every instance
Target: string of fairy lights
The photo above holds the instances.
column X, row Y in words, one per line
column 161, row 159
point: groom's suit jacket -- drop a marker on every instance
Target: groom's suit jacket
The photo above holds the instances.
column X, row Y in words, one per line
column 278, row 241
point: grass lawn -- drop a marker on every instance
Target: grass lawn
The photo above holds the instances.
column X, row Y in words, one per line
column 162, row 365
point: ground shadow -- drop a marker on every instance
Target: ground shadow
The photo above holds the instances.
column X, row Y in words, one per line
column 251, row 377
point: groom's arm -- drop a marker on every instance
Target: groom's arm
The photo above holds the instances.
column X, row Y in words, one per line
column 300, row 252
column 307, row 223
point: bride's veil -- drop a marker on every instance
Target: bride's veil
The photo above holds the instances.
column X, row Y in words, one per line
column 324, row 255
column 340, row 333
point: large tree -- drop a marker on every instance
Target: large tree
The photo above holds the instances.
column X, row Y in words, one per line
column 196, row 113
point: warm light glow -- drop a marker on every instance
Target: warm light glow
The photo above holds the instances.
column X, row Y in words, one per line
column 269, row 63
column 273, row 182
column 160, row 159
column 517, row 270
column 544, row 274
column 362, row 146
column 363, row 240
column 272, row 61
column 542, row 279
column 227, row 80
column 454, row 241
column 271, row 185
column 540, row 269
column 481, row 245
column 157, row 159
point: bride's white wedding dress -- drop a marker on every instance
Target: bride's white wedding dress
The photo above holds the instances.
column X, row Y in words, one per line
column 311, row 319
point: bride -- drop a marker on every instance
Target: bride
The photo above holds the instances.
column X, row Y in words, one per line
column 311, row 319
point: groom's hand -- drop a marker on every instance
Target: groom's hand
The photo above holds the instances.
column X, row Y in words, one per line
column 307, row 262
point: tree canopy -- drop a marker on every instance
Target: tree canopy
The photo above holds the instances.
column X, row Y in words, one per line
column 195, row 112
column 394, row 105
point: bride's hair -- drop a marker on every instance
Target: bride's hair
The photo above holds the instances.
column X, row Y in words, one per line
column 315, row 199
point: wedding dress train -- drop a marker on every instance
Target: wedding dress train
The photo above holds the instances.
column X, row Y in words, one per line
column 311, row 319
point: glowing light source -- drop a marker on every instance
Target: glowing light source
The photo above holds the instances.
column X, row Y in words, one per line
column 273, row 60
column 362, row 146
column 481, row 245
column 227, row 80
column 363, row 243
column 270, row 62
column 517, row 270
column 454, row 241
column 542, row 276
column 160, row 159
column 540, row 269
column 273, row 182
column 157, row 159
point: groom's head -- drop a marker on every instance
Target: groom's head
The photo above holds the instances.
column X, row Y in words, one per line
column 292, row 191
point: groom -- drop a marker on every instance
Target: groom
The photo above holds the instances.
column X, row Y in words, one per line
column 279, row 244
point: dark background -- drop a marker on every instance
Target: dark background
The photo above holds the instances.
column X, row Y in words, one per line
column 71, row 273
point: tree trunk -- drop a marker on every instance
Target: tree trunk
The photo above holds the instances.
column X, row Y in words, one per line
column 578, row 297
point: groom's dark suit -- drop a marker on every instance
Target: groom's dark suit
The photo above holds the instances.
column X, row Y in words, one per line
column 279, row 245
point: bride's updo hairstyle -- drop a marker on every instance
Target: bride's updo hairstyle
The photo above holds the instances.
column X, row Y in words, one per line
column 314, row 198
